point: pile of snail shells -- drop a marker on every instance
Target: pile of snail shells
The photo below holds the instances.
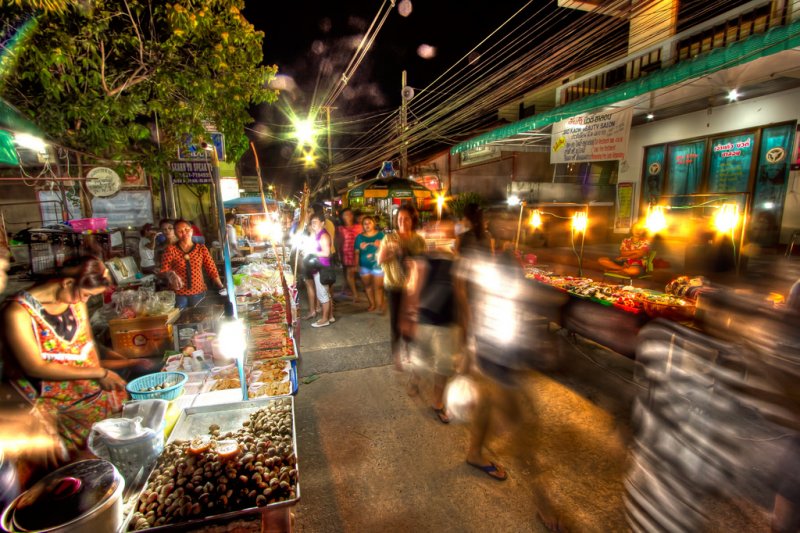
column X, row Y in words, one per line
column 186, row 485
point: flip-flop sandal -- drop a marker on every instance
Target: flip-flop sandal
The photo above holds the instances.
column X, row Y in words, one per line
column 441, row 415
column 492, row 470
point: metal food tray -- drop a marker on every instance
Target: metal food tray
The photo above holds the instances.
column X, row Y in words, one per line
column 194, row 421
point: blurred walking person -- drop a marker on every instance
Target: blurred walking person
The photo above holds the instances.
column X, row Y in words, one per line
column 396, row 248
column 430, row 294
column 500, row 309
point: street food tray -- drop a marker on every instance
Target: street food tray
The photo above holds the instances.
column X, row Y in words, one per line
column 195, row 421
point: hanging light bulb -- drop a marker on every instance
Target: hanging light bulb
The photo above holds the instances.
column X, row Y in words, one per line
column 727, row 218
column 536, row 219
column 579, row 221
column 656, row 221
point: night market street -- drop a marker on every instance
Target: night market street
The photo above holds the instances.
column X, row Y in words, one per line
column 374, row 459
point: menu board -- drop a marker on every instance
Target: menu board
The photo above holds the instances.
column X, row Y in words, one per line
column 686, row 167
column 731, row 160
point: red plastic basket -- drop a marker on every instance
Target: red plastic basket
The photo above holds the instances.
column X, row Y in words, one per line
column 86, row 224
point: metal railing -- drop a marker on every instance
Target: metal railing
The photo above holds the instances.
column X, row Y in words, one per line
column 734, row 25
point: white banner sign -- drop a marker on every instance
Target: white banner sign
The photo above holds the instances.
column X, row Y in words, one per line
column 591, row 137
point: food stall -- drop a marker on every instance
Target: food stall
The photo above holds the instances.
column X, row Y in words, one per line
column 239, row 435
column 611, row 314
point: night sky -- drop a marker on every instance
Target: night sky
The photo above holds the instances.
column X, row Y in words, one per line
column 301, row 37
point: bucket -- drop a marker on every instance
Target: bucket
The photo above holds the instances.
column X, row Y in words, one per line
column 126, row 444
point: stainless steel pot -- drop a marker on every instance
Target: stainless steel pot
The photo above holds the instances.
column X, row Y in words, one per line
column 82, row 497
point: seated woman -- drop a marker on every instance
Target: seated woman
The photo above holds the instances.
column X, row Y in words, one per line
column 632, row 253
column 50, row 357
column 183, row 264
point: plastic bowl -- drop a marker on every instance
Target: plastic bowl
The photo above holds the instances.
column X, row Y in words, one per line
column 136, row 387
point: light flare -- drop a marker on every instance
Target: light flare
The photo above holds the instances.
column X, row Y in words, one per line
column 656, row 220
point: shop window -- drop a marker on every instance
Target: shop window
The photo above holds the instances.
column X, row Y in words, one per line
column 770, row 184
column 685, row 168
column 653, row 173
column 731, row 160
column 594, row 173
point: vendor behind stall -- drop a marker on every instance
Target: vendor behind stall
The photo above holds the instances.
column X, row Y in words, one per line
column 183, row 264
column 50, row 356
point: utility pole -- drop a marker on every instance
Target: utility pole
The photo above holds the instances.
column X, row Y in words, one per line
column 403, row 124
column 330, row 154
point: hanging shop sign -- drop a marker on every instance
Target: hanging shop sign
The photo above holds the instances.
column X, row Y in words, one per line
column 191, row 172
column 102, row 182
column 134, row 178
column 591, row 137
column 191, row 148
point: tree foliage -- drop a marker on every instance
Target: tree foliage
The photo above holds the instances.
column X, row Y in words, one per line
column 114, row 78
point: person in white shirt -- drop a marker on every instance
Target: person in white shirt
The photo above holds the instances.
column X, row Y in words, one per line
column 147, row 245
column 233, row 238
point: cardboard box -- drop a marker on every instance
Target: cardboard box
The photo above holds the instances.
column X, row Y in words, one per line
column 148, row 336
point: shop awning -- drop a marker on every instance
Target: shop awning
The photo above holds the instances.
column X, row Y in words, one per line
column 250, row 205
column 12, row 121
column 754, row 47
column 388, row 188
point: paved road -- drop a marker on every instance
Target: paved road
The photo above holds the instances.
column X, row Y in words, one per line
column 374, row 459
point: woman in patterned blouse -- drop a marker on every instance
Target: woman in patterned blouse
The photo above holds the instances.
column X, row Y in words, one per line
column 183, row 263
column 632, row 252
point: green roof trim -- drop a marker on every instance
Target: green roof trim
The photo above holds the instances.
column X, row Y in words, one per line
column 8, row 153
column 754, row 47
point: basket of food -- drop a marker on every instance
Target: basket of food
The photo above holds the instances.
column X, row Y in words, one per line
column 669, row 307
column 158, row 386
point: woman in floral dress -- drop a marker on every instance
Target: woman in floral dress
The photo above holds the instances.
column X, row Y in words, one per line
column 51, row 359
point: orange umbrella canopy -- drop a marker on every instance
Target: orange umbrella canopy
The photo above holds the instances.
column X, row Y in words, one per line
column 389, row 188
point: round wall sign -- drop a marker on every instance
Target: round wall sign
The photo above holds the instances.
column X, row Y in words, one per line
column 102, row 181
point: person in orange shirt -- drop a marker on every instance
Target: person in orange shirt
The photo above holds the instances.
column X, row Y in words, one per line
column 183, row 264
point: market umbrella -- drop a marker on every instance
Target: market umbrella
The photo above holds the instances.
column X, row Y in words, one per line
column 389, row 188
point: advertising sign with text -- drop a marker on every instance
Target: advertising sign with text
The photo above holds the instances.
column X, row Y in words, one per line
column 591, row 137
column 190, row 172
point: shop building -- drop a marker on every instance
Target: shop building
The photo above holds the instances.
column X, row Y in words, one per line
column 712, row 112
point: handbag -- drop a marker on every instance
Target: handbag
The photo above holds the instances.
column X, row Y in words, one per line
column 394, row 277
column 311, row 263
column 327, row 275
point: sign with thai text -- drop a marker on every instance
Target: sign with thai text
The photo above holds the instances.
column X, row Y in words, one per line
column 102, row 182
column 731, row 159
column 591, row 137
column 624, row 217
column 191, row 172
